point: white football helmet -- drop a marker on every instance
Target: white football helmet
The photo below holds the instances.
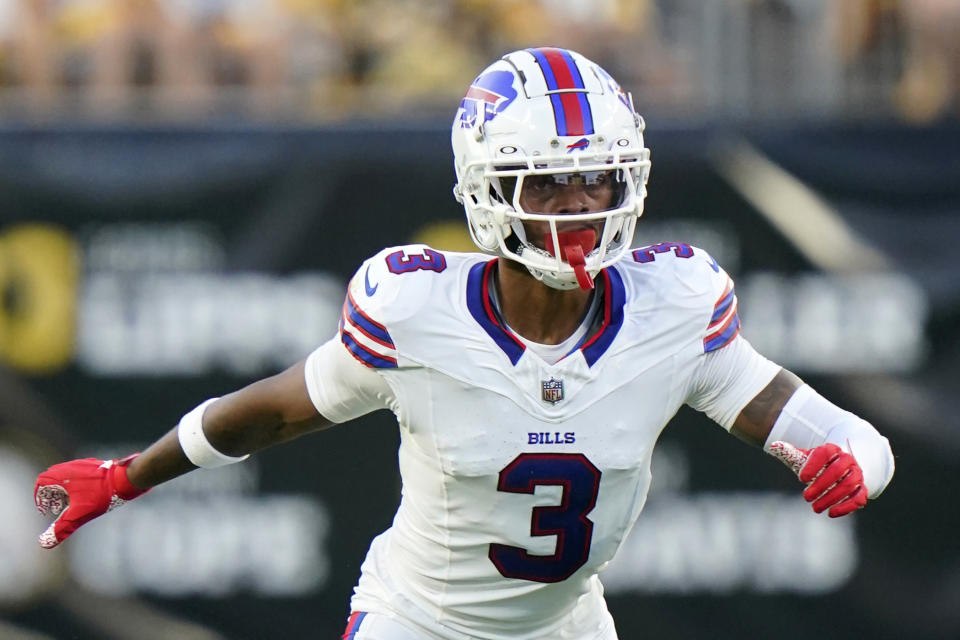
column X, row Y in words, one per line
column 549, row 120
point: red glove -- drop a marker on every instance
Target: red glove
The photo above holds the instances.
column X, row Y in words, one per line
column 832, row 476
column 80, row 490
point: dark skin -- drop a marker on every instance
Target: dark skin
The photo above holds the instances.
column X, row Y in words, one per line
column 278, row 409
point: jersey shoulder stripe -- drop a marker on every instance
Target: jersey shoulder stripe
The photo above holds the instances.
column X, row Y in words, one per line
column 725, row 321
column 399, row 298
column 356, row 317
column 353, row 625
column 723, row 304
column 366, row 339
column 688, row 281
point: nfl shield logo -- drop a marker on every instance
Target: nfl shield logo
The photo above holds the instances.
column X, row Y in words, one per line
column 552, row 390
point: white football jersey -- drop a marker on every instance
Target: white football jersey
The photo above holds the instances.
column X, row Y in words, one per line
column 521, row 478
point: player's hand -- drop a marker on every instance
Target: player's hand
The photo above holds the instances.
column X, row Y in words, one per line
column 834, row 479
column 80, row 490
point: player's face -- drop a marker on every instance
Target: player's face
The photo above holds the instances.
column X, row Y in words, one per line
column 566, row 193
column 586, row 192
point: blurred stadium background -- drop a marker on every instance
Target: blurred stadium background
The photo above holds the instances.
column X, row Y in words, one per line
column 187, row 184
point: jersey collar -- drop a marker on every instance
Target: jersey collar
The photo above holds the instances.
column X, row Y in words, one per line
column 593, row 345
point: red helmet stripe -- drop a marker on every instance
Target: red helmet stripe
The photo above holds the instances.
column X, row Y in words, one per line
column 571, row 110
column 560, row 68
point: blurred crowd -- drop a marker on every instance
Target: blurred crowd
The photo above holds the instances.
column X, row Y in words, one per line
column 322, row 60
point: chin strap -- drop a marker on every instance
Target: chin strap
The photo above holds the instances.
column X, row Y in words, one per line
column 574, row 245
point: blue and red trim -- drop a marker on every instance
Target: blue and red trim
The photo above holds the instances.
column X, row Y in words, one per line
column 571, row 109
column 478, row 303
column 615, row 298
column 480, row 307
column 722, row 306
column 367, row 356
column 353, row 625
column 377, row 348
column 367, row 325
column 724, row 322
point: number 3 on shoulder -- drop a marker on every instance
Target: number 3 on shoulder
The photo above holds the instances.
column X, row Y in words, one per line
column 429, row 260
column 649, row 254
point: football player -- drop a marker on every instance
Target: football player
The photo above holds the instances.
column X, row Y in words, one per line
column 529, row 382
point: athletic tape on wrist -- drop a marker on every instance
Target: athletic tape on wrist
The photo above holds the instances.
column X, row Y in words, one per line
column 195, row 444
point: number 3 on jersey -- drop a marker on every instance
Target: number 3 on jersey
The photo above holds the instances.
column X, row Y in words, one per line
column 429, row 260
column 567, row 521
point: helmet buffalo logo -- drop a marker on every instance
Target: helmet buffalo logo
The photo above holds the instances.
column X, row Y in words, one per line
column 582, row 143
column 489, row 94
column 615, row 87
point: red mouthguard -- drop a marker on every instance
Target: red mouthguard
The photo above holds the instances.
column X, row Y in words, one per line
column 574, row 245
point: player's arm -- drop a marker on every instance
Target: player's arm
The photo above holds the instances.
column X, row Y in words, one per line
column 336, row 383
column 260, row 415
column 841, row 457
column 219, row 431
column 330, row 386
column 754, row 422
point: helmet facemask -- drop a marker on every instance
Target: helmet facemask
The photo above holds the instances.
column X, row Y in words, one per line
column 597, row 202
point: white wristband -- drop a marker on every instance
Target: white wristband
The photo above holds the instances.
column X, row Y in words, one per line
column 195, row 444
